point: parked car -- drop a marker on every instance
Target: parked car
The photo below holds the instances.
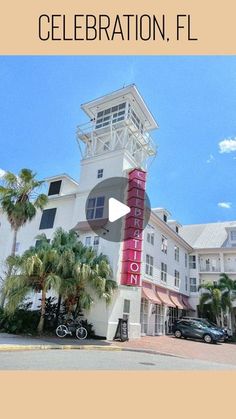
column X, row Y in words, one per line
column 197, row 329
column 227, row 332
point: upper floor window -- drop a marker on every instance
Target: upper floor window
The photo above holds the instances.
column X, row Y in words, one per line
column 88, row 241
column 163, row 272
column 177, row 279
column 100, row 173
column 95, row 207
column 150, row 238
column 233, row 235
column 164, row 244
column 96, row 240
column 149, row 265
column 192, row 262
column 177, row 229
column 177, row 253
column 186, row 260
column 110, row 115
column 186, row 283
column 134, row 118
column 48, row 217
column 165, row 217
column 54, row 188
column 39, row 242
column 193, row 284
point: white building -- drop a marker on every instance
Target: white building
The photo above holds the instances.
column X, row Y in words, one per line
column 116, row 141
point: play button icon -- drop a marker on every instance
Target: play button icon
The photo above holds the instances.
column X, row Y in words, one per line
column 116, row 210
column 107, row 209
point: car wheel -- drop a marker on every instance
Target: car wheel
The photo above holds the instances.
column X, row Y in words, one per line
column 207, row 338
column 178, row 334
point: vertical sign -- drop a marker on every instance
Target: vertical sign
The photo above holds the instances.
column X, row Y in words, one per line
column 133, row 234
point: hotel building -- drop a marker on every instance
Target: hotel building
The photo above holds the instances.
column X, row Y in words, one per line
column 173, row 259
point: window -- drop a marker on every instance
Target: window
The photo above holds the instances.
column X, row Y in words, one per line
column 186, row 283
column 186, row 260
column 110, row 115
column 54, row 188
column 88, row 241
column 177, row 279
column 177, row 253
column 163, row 272
column 95, row 207
column 164, row 244
column 165, row 217
column 192, row 262
column 149, row 265
column 193, row 284
column 95, row 243
column 233, row 235
column 48, row 218
column 126, row 309
column 100, row 173
column 150, row 238
column 177, row 229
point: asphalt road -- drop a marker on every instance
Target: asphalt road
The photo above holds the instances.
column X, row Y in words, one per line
column 100, row 360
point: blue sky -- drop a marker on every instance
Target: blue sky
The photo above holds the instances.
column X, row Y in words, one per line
column 192, row 98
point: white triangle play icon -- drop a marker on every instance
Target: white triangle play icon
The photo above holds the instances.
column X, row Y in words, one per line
column 116, row 209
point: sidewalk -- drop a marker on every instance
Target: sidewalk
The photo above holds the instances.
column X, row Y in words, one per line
column 224, row 353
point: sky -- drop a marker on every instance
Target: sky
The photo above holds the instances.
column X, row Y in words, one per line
column 193, row 99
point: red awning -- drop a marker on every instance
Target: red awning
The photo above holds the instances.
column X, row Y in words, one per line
column 187, row 304
column 165, row 299
column 177, row 301
column 150, row 295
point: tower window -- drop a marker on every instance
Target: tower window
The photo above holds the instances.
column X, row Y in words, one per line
column 48, row 218
column 54, row 188
column 100, row 173
column 95, row 208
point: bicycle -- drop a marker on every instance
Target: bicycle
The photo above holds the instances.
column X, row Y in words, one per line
column 70, row 327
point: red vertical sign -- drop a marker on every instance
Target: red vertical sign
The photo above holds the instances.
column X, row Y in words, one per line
column 133, row 235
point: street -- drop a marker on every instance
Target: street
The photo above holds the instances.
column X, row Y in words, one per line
column 100, row 360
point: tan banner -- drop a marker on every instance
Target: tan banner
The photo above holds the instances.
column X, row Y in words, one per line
column 123, row 27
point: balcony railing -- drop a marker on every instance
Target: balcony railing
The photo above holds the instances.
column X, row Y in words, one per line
column 210, row 268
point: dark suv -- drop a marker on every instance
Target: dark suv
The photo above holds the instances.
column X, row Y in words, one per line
column 196, row 329
column 227, row 332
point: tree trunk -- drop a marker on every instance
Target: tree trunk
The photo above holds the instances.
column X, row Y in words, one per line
column 9, row 272
column 13, row 249
column 58, row 306
column 42, row 312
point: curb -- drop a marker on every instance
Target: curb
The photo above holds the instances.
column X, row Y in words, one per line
column 14, row 348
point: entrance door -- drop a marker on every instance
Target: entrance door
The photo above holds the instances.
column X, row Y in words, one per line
column 159, row 319
column 144, row 316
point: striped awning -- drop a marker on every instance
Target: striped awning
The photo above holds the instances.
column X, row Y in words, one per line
column 176, row 299
column 164, row 297
column 150, row 294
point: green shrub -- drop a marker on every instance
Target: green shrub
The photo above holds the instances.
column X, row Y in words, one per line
column 22, row 321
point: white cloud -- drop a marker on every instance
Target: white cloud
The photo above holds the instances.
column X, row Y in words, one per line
column 227, row 146
column 227, row 205
column 210, row 159
column 2, row 173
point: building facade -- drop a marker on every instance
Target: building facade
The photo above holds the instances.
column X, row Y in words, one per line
column 174, row 259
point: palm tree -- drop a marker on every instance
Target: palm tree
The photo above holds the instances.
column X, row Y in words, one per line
column 228, row 294
column 211, row 296
column 83, row 271
column 19, row 199
column 66, row 266
column 35, row 270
